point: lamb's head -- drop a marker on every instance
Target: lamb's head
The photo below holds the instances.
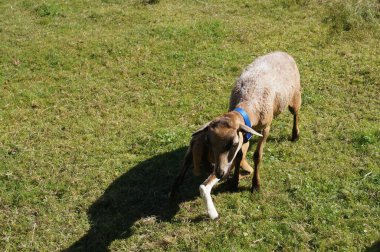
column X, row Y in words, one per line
column 225, row 137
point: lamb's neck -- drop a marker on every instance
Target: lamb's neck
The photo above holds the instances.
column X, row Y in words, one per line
column 252, row 114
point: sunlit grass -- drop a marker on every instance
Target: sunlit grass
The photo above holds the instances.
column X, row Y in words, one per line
column 99, row 98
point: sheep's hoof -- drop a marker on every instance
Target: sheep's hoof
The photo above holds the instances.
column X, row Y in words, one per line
column 233, row 187
column 255, row 188
column 295, row 137
column 213, row 215
column 244, row 174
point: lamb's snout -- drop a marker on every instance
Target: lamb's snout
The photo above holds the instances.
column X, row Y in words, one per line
column 222, row 171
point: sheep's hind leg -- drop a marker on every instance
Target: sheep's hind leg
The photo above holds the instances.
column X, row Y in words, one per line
column 295, row 131
column 294, row 109
column 205, row 191
column 257, row 156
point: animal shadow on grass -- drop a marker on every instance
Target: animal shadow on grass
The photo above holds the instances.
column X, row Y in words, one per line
column 140, row 192
column 375, row 247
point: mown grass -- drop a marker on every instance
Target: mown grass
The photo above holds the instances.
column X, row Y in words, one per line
column 99, row 98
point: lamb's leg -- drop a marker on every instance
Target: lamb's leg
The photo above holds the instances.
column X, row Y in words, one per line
column 198, row 149
column 294, row 109
column 295, row 131
column 257, row 156
column 235, row 179
column 205, row 190
column 248, row 170
column 185, row 166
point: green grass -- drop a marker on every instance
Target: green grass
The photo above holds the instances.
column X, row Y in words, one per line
column 99, row 98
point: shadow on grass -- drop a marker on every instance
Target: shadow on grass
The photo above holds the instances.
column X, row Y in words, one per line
column 140, row 192
column 375, row 247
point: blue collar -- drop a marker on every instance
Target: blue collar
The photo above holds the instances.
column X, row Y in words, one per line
column 247, row 122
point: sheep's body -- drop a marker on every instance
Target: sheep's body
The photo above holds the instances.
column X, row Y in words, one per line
column 267, row 87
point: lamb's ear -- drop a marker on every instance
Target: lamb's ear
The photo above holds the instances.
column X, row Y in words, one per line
column 247, row 129
column 204, row 127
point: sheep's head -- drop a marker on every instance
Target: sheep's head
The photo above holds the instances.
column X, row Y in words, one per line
column 224, row 137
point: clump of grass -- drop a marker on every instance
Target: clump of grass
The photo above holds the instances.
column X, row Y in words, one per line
column 291, row 3
column 150, row 1
column 45, row 10
column 113, row 1
column 366, row 138
column 347, row 15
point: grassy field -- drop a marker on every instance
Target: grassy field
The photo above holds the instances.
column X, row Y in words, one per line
column 99, row 98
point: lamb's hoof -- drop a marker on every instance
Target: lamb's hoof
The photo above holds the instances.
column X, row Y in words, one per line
column 295, row 137
column 233, row 187
column 213, row 215
column 244, row 174
column 246, row 169
column 255, row 188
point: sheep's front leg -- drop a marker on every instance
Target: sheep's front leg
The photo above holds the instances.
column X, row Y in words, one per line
column 205, row 191
column 247, row 169
column 235, row 179
column 257, row 156
column 294, row 109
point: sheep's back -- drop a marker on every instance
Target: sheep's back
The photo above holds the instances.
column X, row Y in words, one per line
column 268, row 84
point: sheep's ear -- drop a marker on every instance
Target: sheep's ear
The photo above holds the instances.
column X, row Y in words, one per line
column 203, row 128
column 247, row 129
